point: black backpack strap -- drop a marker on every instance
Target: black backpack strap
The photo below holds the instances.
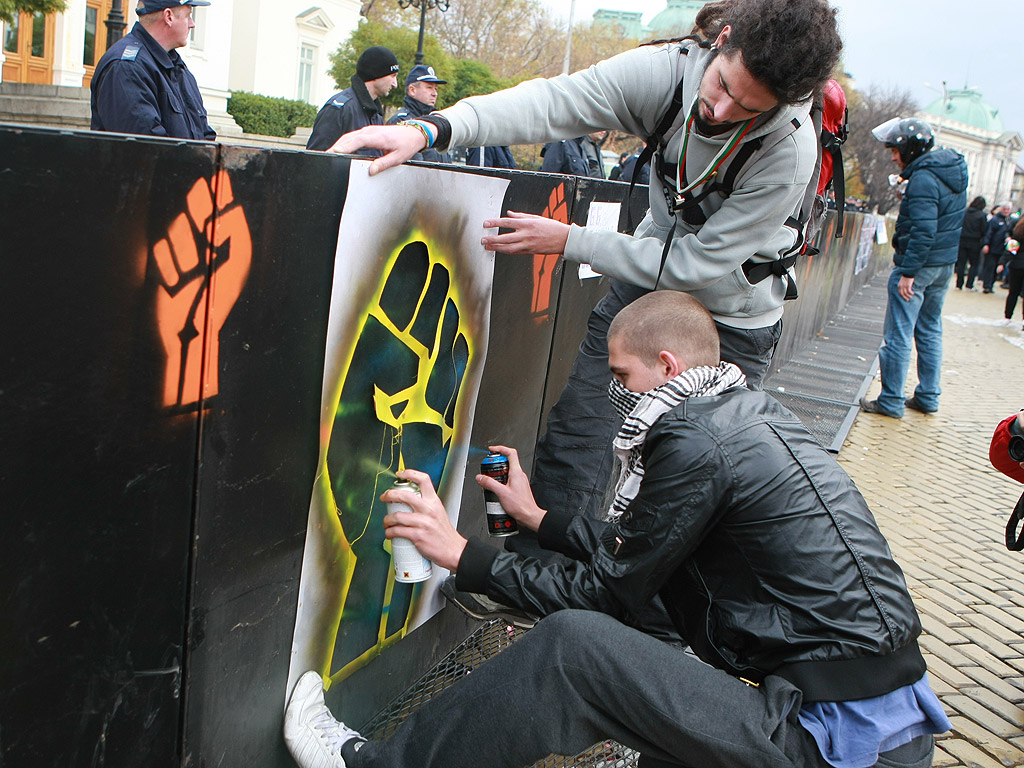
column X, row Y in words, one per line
column 834, row 146
column 1014, row 540
column 728, row 182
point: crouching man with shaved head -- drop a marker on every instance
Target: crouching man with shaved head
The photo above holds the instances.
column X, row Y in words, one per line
column 758, row 544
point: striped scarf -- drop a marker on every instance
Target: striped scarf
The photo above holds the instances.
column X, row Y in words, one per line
column 639, row 411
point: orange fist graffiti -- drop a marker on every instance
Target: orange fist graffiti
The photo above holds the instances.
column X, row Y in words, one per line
column 544, row 263
column 203, row 265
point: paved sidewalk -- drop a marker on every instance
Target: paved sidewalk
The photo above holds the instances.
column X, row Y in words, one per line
column 944, row 509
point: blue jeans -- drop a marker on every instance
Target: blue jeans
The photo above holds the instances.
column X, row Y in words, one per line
column 919, row 319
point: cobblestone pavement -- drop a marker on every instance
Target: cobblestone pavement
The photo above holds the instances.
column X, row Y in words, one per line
column 944, row 508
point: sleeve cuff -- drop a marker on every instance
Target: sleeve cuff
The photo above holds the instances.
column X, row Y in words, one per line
column 553, row 532
column 474, row 571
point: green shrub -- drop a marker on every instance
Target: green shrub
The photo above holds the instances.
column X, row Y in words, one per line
column 269, row 116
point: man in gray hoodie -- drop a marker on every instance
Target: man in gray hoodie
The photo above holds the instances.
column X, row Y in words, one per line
column 744, row 83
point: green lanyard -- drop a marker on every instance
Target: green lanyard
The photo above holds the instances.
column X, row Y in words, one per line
column 716, row 161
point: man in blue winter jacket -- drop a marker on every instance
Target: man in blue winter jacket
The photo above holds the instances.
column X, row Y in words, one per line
column 927, row 239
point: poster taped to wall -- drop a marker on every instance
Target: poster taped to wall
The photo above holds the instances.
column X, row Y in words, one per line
column 406, row 343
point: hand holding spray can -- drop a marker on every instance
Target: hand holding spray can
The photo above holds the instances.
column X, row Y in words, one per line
column 410, row 565
column 499, row 523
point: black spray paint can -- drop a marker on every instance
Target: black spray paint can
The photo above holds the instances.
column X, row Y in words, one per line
column 498, row 521
column 410, row 565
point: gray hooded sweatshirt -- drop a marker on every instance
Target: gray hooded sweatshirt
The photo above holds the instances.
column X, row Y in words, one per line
column 631, row 92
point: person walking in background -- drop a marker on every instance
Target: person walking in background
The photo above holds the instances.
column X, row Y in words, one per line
column 616, row 172
column 358, row 105
column 971, row 233
column 926, row 242
column 1015, row 272
column 993, row 246
column 493, row 157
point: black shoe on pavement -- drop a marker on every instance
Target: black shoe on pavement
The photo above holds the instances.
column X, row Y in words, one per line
column 483, row 608
column 913, row 403
column 871, row 406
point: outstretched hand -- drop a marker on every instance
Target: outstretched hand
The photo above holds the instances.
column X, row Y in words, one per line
column 530, row 234
column 428, row 526
column 398, row 142
column 517, row 497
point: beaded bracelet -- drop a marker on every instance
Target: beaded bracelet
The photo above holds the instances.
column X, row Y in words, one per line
column 425, row 128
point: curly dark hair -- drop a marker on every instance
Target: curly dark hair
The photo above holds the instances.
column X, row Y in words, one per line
column 790, row 46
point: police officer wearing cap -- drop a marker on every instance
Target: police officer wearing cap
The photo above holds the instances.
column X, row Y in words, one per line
column 420, row 97
column 359, row 105
column 142, row 85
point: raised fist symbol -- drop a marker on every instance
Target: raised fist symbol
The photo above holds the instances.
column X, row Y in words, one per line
column 203, row 264
column 544, row 263
column 397, row 408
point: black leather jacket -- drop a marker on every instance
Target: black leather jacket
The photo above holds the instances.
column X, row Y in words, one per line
column 763, row 551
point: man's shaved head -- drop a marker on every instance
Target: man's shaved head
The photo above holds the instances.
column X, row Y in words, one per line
column 671, row 321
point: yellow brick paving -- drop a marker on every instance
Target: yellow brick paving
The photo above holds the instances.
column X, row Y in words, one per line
column 944, row 508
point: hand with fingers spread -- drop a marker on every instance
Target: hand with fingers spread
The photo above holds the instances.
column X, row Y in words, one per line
column 398, row 142
column 516, row 496
column 428, row 526
column 530, row 234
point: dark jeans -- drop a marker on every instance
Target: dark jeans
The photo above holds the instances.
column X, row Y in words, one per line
column 1016, row 287
column 574, row 458
column 581, row 677
column 967, row 264
column 989, row 262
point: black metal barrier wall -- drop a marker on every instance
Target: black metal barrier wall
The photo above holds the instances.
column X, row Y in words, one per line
column 164, row 310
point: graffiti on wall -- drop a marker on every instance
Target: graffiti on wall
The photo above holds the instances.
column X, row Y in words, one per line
column 406, row 342
column 202, row 263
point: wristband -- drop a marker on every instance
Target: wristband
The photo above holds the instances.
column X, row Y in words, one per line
column 424, row 128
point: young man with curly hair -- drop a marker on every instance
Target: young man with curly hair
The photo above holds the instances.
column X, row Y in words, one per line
column 744, row 81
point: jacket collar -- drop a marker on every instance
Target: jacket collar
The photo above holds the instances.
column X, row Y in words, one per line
column 366, row 101
column 166, row 59
column 416, row 107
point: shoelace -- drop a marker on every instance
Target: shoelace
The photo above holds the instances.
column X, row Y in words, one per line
column 329, row 727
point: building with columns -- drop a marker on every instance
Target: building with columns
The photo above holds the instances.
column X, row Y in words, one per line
column 271, row 47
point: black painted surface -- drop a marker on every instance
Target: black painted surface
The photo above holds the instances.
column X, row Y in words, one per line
column 103, row 486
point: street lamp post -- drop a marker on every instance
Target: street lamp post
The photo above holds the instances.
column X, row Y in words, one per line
column 424, row 6
column 115, row 24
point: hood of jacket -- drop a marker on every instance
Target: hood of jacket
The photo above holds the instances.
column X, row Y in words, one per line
column 946, row 164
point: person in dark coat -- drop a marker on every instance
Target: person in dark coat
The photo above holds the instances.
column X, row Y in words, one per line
column 142, row 86
column 576, row 157
column 971, row 233
column 359, row 105
column 1015, row 273
column 926, row 242
column 616, row 173
column 494, row 157
column 993, row 246
column 420, row 99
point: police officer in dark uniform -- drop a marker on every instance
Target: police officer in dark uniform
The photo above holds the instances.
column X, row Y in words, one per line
column 141, row 84
column 420, row 99
column 358, row 106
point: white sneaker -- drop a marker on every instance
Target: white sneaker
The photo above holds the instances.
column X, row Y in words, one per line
column 313, row 736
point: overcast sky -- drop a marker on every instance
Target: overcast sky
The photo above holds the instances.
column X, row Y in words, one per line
column 908, row 43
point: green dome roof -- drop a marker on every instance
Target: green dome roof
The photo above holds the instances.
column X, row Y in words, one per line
column 967, row 107
column 677, row 19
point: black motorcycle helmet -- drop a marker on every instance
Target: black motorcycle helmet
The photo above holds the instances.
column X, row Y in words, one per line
column 912, row 137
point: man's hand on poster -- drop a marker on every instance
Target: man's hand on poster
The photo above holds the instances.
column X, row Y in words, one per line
column 906, row 288
column 530, row 234
column 516, row 497
column 398, row 142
